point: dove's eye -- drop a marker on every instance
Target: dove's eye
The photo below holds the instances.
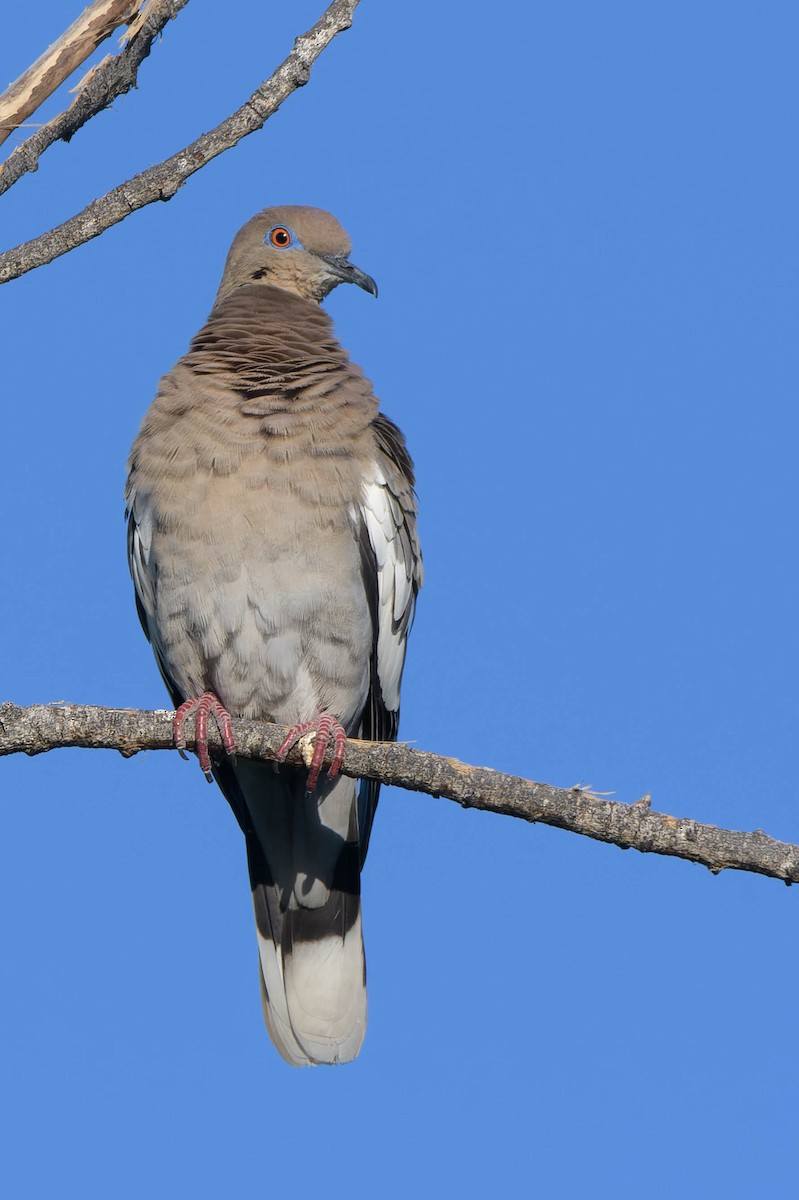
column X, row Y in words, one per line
column 280, row 237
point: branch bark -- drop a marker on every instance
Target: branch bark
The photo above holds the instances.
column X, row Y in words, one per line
column 60, row 59
column 162, row 181
column 112, row 78
column 41, row 728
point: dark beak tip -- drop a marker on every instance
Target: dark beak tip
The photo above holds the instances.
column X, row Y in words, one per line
column 364, row 281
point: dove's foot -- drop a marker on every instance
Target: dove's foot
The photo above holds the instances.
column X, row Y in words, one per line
column 319, row 734
column 202, row 707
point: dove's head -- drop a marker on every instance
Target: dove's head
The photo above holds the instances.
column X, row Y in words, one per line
column 301, row 250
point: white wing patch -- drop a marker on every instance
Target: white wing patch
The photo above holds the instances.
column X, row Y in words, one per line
column 385, row 524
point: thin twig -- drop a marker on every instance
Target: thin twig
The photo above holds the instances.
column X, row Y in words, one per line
column 59, row 60
column 162, row 181
column 111, row 79
column 46, row 727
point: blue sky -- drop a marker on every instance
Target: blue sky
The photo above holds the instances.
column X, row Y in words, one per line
column 583, row 223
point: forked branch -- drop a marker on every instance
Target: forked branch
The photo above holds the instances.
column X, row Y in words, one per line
column 162, row 181
column 110, row 79
column 93, row 26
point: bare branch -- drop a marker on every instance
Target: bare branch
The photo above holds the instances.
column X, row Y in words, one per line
column 58, row 62
column 112, row 78
column 162, row 181
column 45, row 727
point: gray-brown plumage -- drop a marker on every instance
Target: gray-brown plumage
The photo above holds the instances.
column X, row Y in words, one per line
column 274, row 554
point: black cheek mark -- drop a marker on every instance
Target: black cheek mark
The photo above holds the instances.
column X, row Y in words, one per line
column 259, row 274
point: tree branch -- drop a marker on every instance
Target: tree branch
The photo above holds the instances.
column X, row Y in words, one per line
column 42, row 727
column 112, row 78
column 59, row 60
column 162, row 181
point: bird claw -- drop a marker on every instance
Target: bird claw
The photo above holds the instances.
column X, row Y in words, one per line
column 203, row 706
column 315, row 737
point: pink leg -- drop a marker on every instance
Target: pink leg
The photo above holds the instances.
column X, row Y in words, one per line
column 203, row 706
column 325, row 727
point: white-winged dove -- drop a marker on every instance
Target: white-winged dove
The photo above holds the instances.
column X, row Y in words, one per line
column 274, row 554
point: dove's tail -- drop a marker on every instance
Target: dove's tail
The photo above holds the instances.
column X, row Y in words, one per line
column 304, row 865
